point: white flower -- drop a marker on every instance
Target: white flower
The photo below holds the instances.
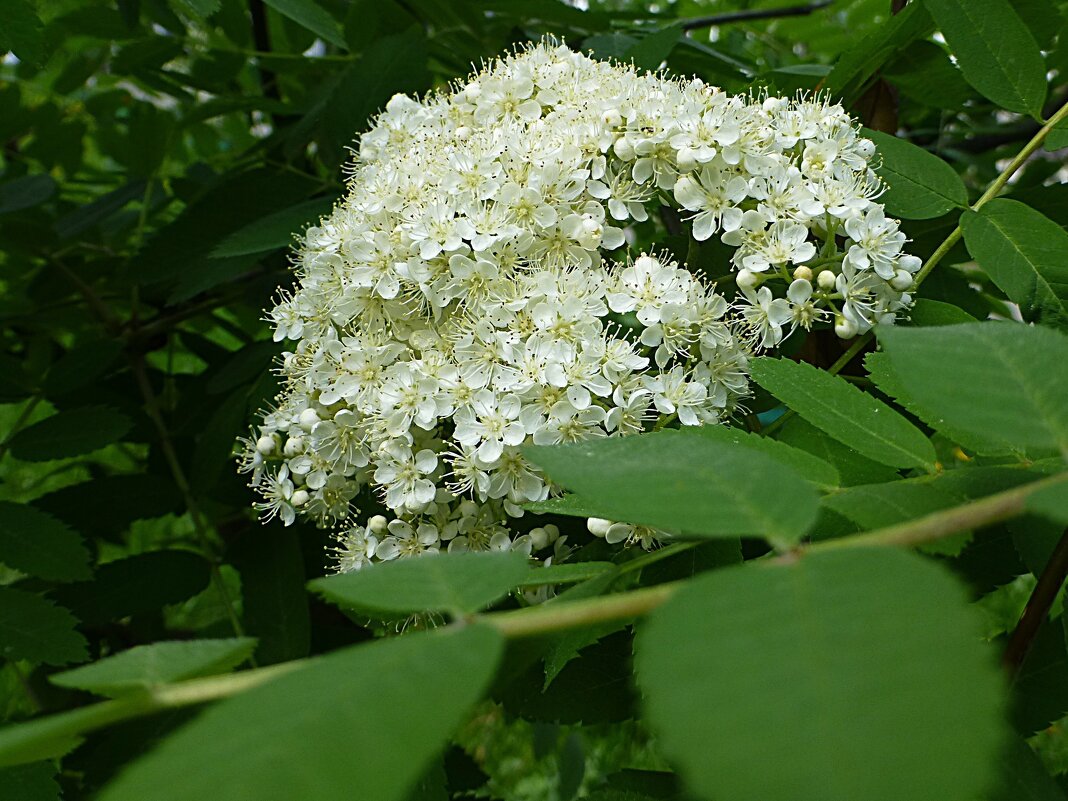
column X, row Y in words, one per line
column 463, row 300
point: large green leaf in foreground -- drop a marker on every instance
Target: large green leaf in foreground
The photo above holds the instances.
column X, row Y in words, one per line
column 684, row 482
column 1003, row 383
column 361, row 723
column 843, row 675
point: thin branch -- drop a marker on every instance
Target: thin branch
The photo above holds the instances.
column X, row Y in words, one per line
column 1038, row 606
column 152, row 408
column 757, row 13
column 992, row 509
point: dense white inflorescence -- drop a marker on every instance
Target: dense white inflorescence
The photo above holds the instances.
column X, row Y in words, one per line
column 459, row 304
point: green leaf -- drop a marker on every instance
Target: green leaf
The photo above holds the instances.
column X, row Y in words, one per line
column 851, row 466
column 1051, row 503
column 150, row 665
column 25, row 192
column 357, row 724
column 567, row 573
column 860, row 670
column 861, row 61
column 1057, row 138
column 273, row 231
column 136, row 585
column 920, row 186
column 311, row 15
column 33, row 782
column 818, row 471
column 70, row 433
column 1024, row 777
column 684, row 482
column 649, row 52
column 1023, row 253
column 450, row 583
column 996, row 52
column 1002, row 383
column 37, row 630
column 851, row 416
column 927, row 312
column 38, row 544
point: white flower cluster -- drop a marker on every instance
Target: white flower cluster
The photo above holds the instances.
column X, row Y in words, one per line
column 458, row 304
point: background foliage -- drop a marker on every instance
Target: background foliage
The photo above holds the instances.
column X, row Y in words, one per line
column 158, row 156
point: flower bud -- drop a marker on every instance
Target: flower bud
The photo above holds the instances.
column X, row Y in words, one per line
column 845, row 329
column 294, row 446
column 377, row 524
column 299, row 498
column 826, row 279
column 624, row 149
column 538, row 538
column 901, row 281
column 803, row 272
column 747, row 279
column 308, row 419
column 266, row 445
column 612, row 118
column 552, row 532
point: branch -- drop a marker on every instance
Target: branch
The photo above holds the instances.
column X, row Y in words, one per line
column 1038, row 606
column 760, row 13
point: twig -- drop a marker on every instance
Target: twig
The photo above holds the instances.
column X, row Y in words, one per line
column 1038, row 606
column 757, row 13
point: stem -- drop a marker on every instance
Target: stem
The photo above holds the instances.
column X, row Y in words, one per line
column 765, row 13
column 548, row 618
column 1038, row 606
column 937, row 525
column 25, row 742
column 993, row 190
column 137, row 362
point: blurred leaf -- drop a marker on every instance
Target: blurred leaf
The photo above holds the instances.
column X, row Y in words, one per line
column 25, row 192
column 85, row 217
column 806, row 644
column 851, row 416
column 70, row 433
column 200, row 8
column 116, row 501
column 991, row 380
column 858, row 64
column 1023, row 253
column 346, row 726
column 389, row 65
column 1024, row 777
column 32, row 782
column 274, row 231
column 1051, row 503
column 923, row 71
column 21, row 32
column 81, row 365
column 136, row 585
column 159, row 663
column 449, row 583
column 851, row 466
column 685, row 483
column 996, row 52
column 649, row 52
column 274, row 600
column 920, row 186
column 35, row 629
column 312, row 16
column 36, row 543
